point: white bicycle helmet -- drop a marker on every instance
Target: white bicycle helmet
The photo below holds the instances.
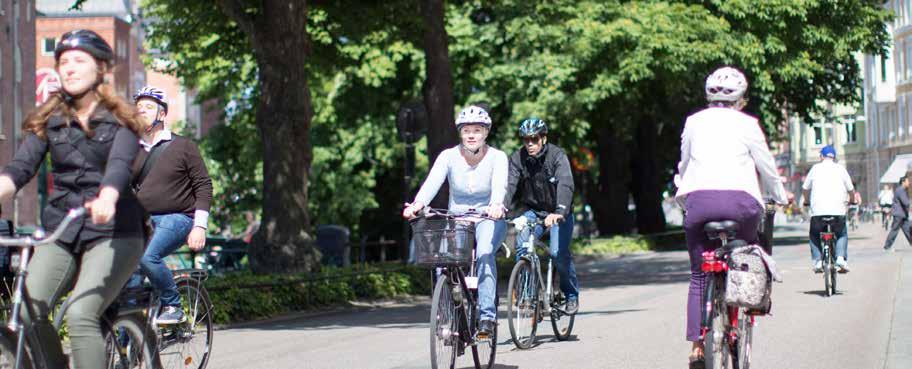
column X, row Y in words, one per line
column 154, row 93
column 473, row 114
column 725, row 84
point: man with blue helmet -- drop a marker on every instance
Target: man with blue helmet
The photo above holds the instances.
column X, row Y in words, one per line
column 830, row 188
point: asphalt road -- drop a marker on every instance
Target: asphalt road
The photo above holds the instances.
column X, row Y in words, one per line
column 631, row 316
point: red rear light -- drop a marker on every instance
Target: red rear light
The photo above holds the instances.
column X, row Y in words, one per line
column 827, row 236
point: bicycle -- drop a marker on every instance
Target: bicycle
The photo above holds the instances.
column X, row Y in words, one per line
column 828, row 253
column 20, row 347
column 445, row 241
column 529, row 291
column 184, row 345
column 726, row 331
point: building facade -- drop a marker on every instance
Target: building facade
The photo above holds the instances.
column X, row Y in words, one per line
column 17, row 83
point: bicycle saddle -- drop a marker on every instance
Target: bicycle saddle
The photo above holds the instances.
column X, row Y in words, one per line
column 715, row 229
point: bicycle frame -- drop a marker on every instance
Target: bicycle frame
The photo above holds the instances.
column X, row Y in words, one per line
column 545, row 283
column 716, row 268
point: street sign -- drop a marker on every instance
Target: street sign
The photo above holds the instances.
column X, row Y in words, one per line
column 47, row 81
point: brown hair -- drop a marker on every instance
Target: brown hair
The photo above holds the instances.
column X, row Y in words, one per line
column 124, row 112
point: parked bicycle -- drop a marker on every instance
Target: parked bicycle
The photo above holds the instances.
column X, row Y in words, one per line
column 533, row 295
column 727, row 331
column 21, row 347
column 445, row 241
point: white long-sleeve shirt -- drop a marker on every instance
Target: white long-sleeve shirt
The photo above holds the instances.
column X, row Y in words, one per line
column 470, row 187
column 724, row 149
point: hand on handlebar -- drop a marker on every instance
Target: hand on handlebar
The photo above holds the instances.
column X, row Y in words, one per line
column 495, row 211
column 553, row 219
column 103, row 207
column 411, row 210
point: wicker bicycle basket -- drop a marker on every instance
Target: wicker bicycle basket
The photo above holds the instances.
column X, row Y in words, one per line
column 443, row 241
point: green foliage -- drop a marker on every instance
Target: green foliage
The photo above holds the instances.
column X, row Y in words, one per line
column 246, row 296
column 611, row 246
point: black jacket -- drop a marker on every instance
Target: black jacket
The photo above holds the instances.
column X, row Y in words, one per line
column 80, row 167
column 900, row 202
column 544, row 182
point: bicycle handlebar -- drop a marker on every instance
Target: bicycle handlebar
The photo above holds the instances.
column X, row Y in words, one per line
column 429, row 211
column 38, row 238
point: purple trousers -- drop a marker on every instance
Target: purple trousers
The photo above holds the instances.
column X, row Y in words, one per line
column 710, row 206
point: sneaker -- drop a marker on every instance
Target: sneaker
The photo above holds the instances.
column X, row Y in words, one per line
column 888, row 249
column 171, row 315
column 572, row 306
column 818, row 266
column 842, row 265
column 486, row 329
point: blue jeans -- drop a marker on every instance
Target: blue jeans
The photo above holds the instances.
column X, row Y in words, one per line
column 560, row 236
column 842, row 239
column 171, row 231
column 488, row 236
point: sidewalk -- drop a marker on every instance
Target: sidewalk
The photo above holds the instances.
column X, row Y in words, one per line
column 899, row 353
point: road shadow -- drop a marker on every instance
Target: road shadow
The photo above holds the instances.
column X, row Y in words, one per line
column 398, row 317
column 496, row 366
column 821, row 293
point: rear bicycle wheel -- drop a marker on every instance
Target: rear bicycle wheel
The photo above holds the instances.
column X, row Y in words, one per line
column 524, row 309
column 745, row 339
column 715, row 348
column 444, row 335
column 129, row 344
column 188, row 345
column 561, row 323
column 827, row 270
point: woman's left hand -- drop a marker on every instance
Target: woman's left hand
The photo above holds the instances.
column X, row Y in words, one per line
column 103, row 207
column 495, row 211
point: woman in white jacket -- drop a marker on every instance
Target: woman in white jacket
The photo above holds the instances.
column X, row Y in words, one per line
column 722, row 152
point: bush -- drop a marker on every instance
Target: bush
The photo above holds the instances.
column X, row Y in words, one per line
column 612, row 246
column 244, row 296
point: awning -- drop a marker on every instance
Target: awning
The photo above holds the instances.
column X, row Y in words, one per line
column 900, row 166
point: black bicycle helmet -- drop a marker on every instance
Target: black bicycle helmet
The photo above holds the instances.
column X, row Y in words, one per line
column 85, row 40
column 533, row 127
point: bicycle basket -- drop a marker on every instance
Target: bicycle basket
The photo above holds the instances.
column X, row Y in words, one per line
column 443, row 242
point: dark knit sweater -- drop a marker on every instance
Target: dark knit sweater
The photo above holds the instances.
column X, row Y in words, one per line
column 178, row 182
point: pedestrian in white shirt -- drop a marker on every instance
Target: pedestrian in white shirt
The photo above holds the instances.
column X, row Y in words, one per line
column 830, row 187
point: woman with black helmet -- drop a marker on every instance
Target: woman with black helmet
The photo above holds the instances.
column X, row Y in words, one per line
column 92, row 137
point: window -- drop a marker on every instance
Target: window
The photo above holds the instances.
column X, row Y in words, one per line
column 818, row 135
column 907, row 67
column 48, row 45
column 883, row 68
column 851, row 136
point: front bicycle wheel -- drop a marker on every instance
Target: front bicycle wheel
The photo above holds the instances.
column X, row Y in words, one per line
column 745, row 339
column 523, row 310
column 128, row 346
column 715, row 348
column 187, row 345
column 8, row 352
column 833, row 272
column 561, row 323
column 444, row 335
column 484, row 351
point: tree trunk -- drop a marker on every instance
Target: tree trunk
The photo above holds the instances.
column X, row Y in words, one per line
column 612, row 190
column 278, row 34
column 438, row 86
column 646, row 186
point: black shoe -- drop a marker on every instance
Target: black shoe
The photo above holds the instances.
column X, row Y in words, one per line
column 572, row 306
column 486, row 328
column 697, row 364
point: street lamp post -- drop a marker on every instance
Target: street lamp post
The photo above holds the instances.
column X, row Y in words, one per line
column 411, row 123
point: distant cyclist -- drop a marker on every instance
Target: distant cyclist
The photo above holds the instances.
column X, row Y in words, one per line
column 540, row 174
column 830, row 188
